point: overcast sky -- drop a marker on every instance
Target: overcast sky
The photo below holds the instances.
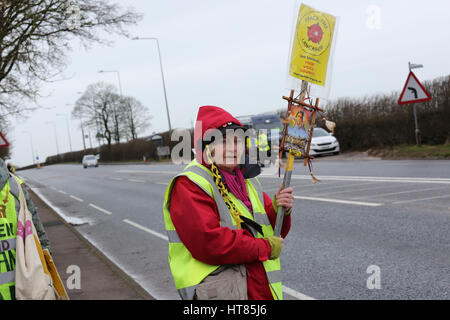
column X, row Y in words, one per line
column 234, row 54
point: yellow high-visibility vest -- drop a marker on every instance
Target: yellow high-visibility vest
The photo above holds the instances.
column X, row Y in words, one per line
column 187, row 271
column 263, row 144
column 9, row 209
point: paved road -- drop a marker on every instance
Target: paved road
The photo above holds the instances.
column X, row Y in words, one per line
column 388, row 216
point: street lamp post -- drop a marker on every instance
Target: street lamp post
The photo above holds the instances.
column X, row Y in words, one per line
column 68, row 129
column 417, row 131
column 31, row 142
column 82, row 133
column 162, row 76
column 56, row 135
column 118, row 77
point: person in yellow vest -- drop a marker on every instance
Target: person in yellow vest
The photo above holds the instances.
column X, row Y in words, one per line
column 9, row 209
column 219, row 221
column 263, row 148
column 263, row 143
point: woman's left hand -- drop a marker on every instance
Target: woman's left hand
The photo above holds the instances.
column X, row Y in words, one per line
column 285, row 198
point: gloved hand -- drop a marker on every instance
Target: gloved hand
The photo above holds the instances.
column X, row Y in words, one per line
column 275, row 246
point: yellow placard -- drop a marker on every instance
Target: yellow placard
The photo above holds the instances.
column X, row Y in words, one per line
column 312, row 45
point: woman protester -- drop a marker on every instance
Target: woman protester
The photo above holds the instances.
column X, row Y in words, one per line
column 219, row 221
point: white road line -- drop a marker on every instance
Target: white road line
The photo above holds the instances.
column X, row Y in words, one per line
column 136, row 180
column 78, row 199
column 320, row 188
column 296, row 294
column 162, row 183
column 414, row 200
column 395, row 193
column 358, row 190
column 373, row 179
column 287, row 290
column 118, row 179
column 368, row 204
column 60, row 191
column 157, row 234
column 100, row 209
column 147, row 171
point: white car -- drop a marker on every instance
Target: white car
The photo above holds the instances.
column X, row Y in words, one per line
column 323, row 142
column 89, row 160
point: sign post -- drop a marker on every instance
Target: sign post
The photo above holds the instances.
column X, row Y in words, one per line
column 3, row 141
column 414, row 92
column 310, row 56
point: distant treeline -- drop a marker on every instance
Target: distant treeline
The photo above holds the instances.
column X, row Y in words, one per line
column 361, row 123
column 128, row 151
column 378, row 121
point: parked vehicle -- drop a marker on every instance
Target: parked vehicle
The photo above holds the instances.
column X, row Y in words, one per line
column 264, row 124
column 89, row 160
column 323, row 142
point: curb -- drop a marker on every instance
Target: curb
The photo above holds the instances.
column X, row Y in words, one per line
column 115, row 268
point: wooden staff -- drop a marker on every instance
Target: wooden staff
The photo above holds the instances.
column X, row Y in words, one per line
column 290, row 160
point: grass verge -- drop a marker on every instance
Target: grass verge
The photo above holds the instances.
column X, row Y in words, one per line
column 412, row 152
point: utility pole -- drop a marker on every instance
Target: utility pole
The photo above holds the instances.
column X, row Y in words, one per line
column 162, row 75
column 68, row 129
column 82, row 133
column 31, row 142
column 56, row 135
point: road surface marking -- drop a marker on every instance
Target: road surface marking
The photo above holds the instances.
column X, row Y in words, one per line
column 162, row 183
column 100, row 209
column 135, row 180
column 296, row 294
column 78, row 199
column 374, row 187
column 118, row 179
column 287, row 290
column 369, row 204
column 373, row 179
column 395, row 193
column 60, row 191
column 157, row 234
column 414, row 200
column 147, row 171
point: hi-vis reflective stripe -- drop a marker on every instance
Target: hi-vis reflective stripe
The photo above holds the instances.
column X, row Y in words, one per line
column 225, row 217
column 7, row 277
column 14, row 189
column 275, row 276
column 173, row 236
column 187, row 293
column 9, row 244
column 261, row 218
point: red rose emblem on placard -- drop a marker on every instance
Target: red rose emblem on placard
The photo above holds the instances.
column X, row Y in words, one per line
column 315, row 33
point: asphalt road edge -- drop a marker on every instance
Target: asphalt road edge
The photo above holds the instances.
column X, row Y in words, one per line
column 113, row 266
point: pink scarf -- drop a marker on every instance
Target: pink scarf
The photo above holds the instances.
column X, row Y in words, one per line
column 236, row 184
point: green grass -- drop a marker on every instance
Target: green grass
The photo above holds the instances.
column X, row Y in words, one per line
column 414, row 152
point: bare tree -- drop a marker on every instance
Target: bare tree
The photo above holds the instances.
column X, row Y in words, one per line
column 96, row 109
column 113, row 117
column 35, row 38
column 135, row 117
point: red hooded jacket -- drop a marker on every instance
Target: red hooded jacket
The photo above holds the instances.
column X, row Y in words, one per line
column 196, row 219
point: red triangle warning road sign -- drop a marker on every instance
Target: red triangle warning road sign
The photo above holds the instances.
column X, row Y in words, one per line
column 3, row 142
column 413, row 91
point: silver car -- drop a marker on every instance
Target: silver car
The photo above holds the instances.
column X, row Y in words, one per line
column 89, row 160
column 323, row 142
